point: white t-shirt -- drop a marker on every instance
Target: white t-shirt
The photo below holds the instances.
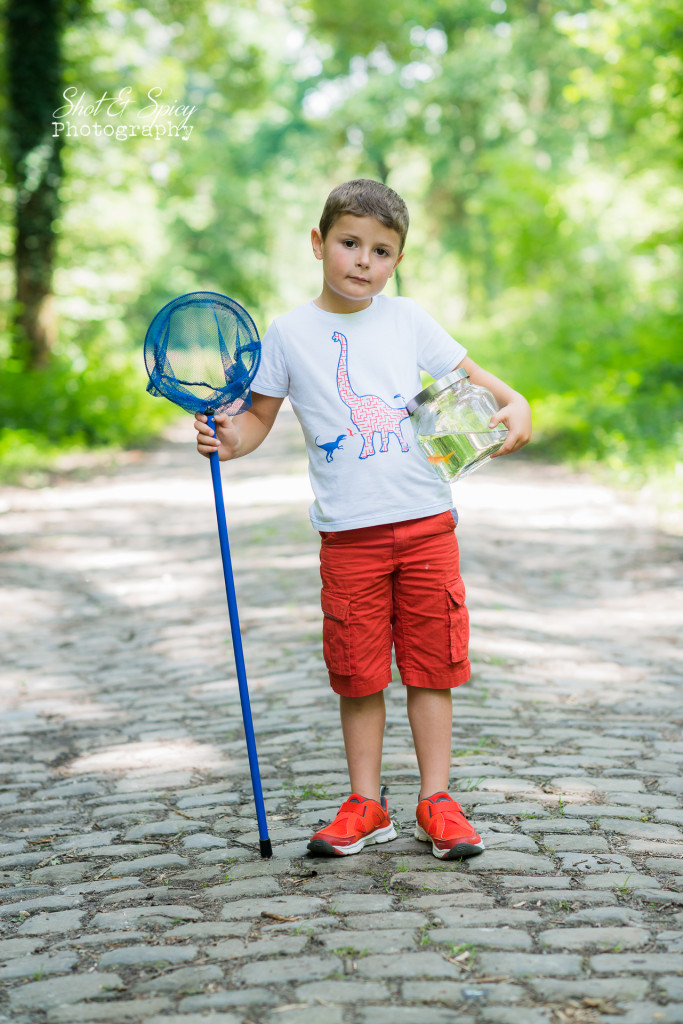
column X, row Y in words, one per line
column 348, row 377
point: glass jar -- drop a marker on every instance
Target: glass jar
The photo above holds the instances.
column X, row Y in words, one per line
column 451, row 421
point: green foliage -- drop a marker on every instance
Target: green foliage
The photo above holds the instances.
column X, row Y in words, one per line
column 537, row 144
column 96, row 402
column 542, row 145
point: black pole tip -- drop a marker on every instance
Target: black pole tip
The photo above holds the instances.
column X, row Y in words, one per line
column 266, row 849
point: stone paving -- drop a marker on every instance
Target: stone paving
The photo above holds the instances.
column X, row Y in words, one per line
column 132, row 888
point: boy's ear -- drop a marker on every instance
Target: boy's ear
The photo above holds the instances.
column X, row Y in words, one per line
column 397, row 263
column 317, row 243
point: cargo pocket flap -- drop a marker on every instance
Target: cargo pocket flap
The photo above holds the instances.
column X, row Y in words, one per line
column 337, row 649
column 458, row 620
column 335, row 607
column 456, row 591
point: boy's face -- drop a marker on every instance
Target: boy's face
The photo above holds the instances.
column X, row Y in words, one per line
column 359, row 255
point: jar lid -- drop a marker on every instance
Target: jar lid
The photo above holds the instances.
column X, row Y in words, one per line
column 436, row 388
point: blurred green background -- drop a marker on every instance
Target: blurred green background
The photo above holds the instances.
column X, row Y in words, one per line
column 537, row 144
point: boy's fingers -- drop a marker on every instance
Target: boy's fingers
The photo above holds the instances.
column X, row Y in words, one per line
column 506, row 448
column 512, row 444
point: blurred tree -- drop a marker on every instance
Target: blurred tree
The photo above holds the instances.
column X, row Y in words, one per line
column 34, row 78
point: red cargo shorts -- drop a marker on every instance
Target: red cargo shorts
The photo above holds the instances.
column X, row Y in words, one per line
column 395, row 583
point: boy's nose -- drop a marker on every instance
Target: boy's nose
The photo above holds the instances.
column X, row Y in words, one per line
column 363, row 259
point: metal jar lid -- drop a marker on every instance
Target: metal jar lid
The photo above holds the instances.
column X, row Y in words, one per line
column 436, row 388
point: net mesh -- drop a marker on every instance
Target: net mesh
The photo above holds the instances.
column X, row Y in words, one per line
column 202, row 351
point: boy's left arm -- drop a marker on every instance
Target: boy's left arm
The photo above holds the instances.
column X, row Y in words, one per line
column 514, row 409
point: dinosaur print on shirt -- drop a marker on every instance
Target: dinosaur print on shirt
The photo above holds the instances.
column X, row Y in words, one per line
column 330, row 447
column 370, row 414
column 341, row 374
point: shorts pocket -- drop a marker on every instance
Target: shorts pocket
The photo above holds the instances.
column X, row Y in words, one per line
column 337, row 649
column 458, row 620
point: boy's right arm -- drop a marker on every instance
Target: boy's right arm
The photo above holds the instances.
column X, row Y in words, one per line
column 241, row 435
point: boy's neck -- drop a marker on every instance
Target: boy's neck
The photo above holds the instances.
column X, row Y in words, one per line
column 330, row 302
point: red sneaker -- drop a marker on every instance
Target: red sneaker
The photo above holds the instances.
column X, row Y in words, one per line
column 440, row 819
column 359, row 823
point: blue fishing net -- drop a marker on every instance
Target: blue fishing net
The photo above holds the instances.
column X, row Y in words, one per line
column 202, row 351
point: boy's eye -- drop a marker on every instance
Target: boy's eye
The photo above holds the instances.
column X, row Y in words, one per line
column 381, row 252
column 349, row 243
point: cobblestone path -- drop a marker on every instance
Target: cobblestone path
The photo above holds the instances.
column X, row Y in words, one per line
column 132, row 888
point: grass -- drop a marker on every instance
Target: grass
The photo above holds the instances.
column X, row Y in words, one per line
column 485, row 741
column 350, row 951
column 28, row 459
column 306, row 791
column 463, row 956
column 467, row 785
column 73, row 417
column 391, row 888
column 314, row 792
column 465, row 947
column 561, row 809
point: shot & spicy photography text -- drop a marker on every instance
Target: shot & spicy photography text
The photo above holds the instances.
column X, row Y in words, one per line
column 120, row 117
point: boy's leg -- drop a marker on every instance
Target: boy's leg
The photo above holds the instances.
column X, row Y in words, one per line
column 439, row 818
column 364, row 817
column 356, row 568
column 430, row 627
column 363, row 720
column 430, row 717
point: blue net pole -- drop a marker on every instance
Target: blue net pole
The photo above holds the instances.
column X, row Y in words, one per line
column 265, row 844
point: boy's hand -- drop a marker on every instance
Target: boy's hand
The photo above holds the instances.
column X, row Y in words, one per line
column 516, row 416
column 514, row 409
column 226, row 441
column 234, row 441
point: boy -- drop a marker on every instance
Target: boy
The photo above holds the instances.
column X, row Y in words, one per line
column 349, row 360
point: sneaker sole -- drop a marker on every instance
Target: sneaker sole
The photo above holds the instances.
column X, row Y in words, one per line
column 321, row 848
column 456, row 852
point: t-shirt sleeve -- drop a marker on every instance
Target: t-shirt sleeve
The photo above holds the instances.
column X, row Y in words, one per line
column 272, row 376
column 437, row 352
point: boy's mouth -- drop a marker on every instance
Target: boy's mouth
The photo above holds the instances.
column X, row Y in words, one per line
column 362, row 280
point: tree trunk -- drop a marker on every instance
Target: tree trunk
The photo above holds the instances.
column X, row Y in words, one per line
column 34, row 72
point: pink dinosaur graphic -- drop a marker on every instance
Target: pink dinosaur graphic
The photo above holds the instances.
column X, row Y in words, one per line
column 369, row 413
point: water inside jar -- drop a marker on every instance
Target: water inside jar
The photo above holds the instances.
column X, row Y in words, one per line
column 456, row 455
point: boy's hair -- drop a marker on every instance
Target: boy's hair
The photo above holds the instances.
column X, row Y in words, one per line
column 364, row 197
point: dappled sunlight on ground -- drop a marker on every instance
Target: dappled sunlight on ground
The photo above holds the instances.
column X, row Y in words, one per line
column 152, row 756
column 124, row 755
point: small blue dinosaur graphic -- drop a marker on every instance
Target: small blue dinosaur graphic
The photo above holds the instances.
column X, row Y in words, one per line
column 331, row 446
